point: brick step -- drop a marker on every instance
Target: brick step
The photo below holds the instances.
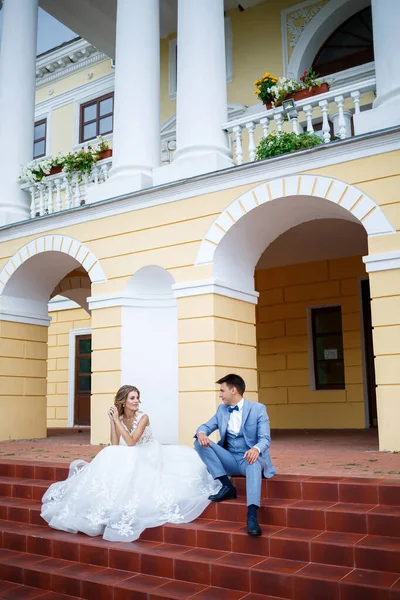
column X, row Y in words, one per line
column 14, row 591
column 212, row 540
column 88, row 581
column 352, row 490
column 233, row 577
column 322, row 516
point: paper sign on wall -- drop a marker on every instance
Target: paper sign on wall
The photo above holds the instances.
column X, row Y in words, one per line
column 331, row 354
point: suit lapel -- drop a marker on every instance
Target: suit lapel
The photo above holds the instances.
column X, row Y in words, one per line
column 224, row 423
column 246, row 410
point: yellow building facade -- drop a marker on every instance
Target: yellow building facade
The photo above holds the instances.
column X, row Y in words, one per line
column 285, row 270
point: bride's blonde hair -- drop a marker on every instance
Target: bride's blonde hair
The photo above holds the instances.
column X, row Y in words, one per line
column 121, row 396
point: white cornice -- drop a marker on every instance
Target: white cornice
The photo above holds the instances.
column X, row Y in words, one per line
column 30, row 319
column 340, row 152
column 57, row 304
column 79, row 94
column 386, row 261
column 66, row 60
column 127, row 300
column 213, row 286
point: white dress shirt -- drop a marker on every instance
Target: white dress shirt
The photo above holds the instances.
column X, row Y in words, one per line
column 235, row 419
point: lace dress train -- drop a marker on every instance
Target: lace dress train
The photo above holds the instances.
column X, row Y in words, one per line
column 126, row 489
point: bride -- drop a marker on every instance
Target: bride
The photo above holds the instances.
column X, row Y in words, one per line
column 133, row 484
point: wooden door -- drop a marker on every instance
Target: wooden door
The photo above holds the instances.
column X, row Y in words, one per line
column 83, row 379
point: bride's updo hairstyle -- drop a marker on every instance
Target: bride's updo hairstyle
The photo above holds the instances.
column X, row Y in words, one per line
column 122, row 395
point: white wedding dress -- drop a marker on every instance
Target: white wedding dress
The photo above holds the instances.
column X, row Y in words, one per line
column 126, row 489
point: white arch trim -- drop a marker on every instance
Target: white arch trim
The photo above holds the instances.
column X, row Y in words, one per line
column 317, row 31
column 349, row 197
column 54, row 243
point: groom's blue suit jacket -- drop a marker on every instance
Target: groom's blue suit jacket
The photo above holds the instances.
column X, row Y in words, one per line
column 255, row 428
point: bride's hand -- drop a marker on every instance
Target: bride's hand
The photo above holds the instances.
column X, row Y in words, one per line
column 110, row 414
column 114, row 414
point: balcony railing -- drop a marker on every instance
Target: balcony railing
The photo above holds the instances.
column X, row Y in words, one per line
column 329, row 114
column 58, row 192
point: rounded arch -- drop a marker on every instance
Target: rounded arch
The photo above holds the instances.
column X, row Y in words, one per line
column 237, row 238
column 30, row 276
column 318, row 30
column 150, row 347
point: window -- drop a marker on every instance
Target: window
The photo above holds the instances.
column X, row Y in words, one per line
column 39, row 139
column 327, row 340
column 349, row 46
column 173, row 59
column 96, row 117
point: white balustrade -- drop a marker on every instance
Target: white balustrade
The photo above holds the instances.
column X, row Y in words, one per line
column 60, row 192
column 315, row 114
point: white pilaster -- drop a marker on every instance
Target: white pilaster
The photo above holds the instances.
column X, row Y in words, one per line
column 386, row 108
column 136, row 138
column 202, row 145
column 17, row 104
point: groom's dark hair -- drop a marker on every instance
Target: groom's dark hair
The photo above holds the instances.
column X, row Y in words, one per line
column 233, row 380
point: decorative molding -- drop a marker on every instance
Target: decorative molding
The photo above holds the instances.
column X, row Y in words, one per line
column 324, row 22
column 29, row 319
column 213, row 286
column 64, row 61
column 53, row 243
column 89, row 90
column 129, row 300
column 386, row 261
column 57, row 304
column 293, row 21
column 349, row 197
column 71, row 371
column 370, row 144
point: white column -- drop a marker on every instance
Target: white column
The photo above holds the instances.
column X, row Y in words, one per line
column 202, row 145
column 17, row 104
column 386, row 108
column 136, row 137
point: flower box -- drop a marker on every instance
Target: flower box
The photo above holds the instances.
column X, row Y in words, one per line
column 306, row 93
column 302, row 94
column 105, row 154
column 55, row 170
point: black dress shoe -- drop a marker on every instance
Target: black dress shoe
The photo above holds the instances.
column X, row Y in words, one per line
column 253, row 527
column 225, row 493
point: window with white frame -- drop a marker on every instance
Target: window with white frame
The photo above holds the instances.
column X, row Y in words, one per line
column 173, row 59
column 39, row 138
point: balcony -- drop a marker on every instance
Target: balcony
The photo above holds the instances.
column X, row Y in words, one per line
column 330, row 115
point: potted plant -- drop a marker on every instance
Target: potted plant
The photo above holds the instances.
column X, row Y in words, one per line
column 272, row 91
column 102, row 148
column 311, row 85
column 56, row 165
column 279, row 143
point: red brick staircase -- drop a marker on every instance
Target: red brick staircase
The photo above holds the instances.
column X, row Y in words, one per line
column 323, row 539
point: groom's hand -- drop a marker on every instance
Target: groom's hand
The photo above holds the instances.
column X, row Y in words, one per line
column 251, row 455
column 203, row 439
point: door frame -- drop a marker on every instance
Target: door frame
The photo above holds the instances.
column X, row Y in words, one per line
column 364, row 352
column 73, row 334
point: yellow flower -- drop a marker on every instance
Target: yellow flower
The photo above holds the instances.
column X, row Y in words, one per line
column 257, row 92
column 256, row 82
column 267, row 74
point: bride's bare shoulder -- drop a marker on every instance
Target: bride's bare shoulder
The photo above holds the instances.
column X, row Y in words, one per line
column 143, row 417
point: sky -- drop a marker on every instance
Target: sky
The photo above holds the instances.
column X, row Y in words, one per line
column 51, row 32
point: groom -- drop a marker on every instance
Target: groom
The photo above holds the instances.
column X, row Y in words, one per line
column 243, row 448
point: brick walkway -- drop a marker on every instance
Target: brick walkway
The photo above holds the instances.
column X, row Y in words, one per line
column 346, row 453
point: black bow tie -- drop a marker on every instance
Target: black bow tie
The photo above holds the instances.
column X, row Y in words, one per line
column 232, row 408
